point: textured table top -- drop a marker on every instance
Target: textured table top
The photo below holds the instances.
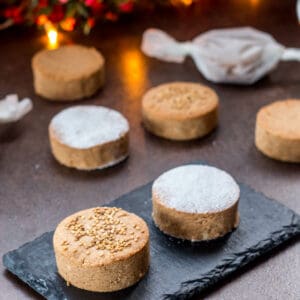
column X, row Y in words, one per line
column 36, row 192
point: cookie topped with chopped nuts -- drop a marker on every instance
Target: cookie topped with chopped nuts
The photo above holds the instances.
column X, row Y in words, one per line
column 102, row 248
column 177, row 100
column 180, row 110
column 100, row 235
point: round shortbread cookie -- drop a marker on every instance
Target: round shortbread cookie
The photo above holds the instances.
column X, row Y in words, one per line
column 89, row 137
column 180, row 110
column 102, row 249
column 195, row 202
column 68, row 73
column 277, row 133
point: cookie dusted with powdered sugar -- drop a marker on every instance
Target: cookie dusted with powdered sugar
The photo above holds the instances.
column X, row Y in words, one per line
column 89, row 137
column 195, row 202
column 102, row 249
column 180, row 110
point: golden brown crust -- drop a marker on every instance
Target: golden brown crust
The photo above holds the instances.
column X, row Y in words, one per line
column 102, row 249
column 277, row 132
column 179, row 100
column 182, row 130
column 96, row 157
column 180, row 110
column 68, row 73
column 194, row 226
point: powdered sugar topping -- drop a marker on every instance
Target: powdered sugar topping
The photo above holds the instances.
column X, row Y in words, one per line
column 196, row 189
column 85, row 126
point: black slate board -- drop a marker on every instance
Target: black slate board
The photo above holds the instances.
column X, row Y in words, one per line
column 179, row 269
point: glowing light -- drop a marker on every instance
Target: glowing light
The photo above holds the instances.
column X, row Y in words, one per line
column 254, row 2
column 182, row 2
column 68, row 24
column 133, row 69
column 52, row 36
column 187, row 2
column 42, row 20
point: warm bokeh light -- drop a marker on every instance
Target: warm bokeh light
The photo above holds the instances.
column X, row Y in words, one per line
column 42, row 20
column 133, row 72
column 181, row 2
column 52, row 36
column 254, row 2
column 187, row 2
column 68, row 24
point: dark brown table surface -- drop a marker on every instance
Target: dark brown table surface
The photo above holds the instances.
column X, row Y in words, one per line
column 36, row 192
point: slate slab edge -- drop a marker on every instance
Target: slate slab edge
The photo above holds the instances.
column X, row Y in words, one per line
column 42, row 286
column 238, row 260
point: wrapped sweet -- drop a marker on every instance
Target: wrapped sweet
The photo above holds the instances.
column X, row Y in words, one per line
column 12, row 110
column 237, row 55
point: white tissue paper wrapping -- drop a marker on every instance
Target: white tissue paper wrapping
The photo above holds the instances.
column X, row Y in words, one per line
column 238, row 55
column 12, row 110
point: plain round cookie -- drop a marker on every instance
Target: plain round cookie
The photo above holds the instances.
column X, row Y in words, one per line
column 68, row 73
column 102, row 249
column 277, row 132
column 88, row 137
column 195, row 202
column 180, row 110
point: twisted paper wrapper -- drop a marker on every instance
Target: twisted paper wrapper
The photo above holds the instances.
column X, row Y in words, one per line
column 238, row 55
column 12, row 110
